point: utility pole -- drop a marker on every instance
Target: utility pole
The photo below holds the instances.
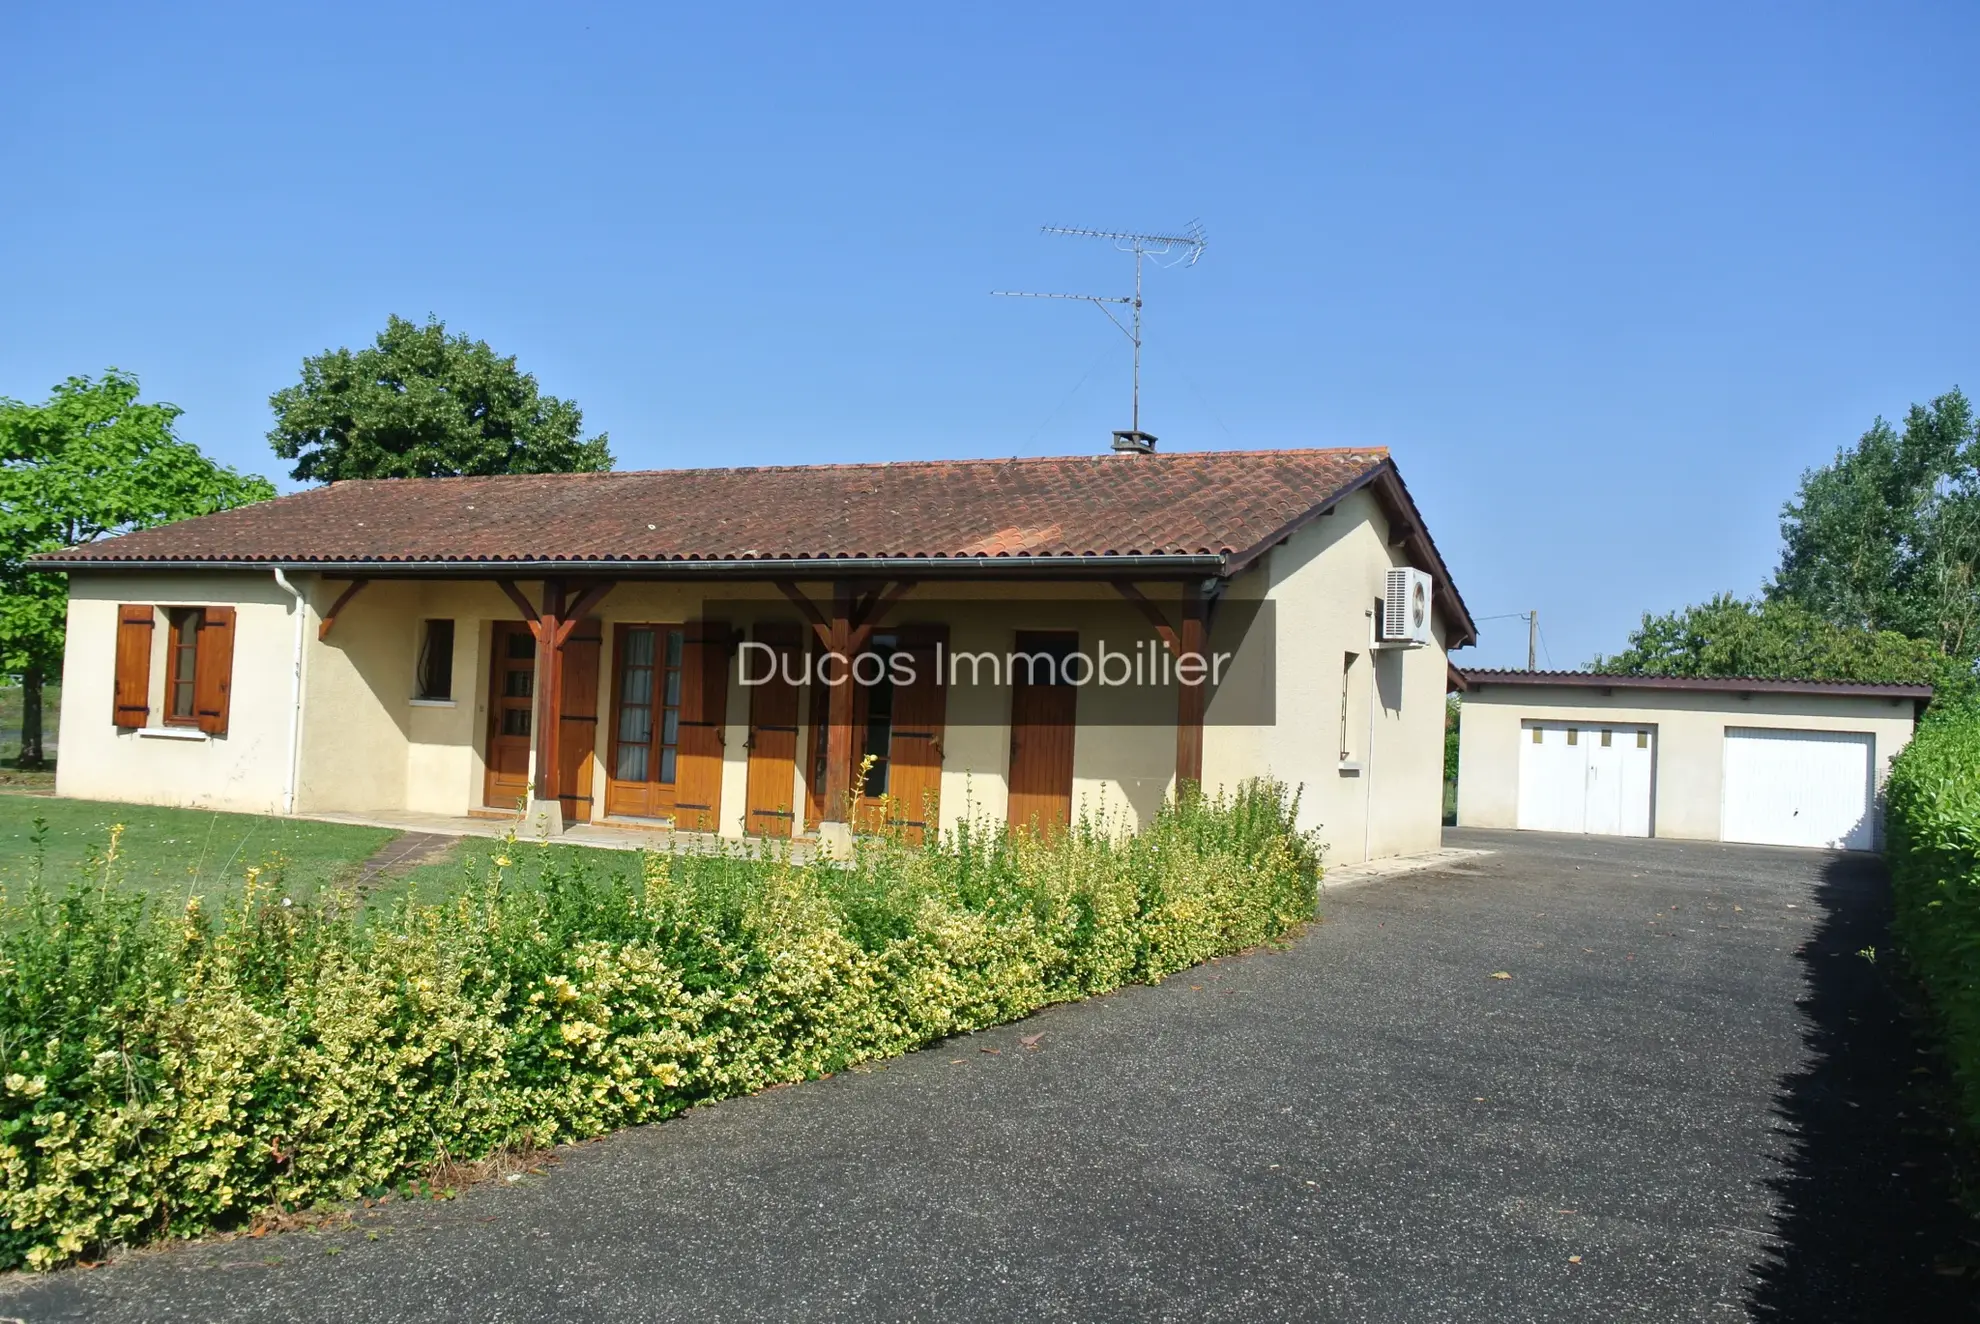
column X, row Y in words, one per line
column 1532, row 639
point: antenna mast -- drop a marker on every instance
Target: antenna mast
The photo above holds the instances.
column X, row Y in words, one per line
column 1180, row 250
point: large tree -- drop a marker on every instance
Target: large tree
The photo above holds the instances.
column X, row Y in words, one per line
column 1729, row 636
column 420, row 403
column 89, row 463
column 1887, row 537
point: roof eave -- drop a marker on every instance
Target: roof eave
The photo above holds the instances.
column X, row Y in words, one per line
column 1583, row 680
column 1385, row 478
column 925, row 567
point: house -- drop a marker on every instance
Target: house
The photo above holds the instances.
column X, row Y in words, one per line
column 1776, row 762
column 1028, row 638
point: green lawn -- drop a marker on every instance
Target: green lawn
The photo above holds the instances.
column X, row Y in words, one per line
column 527, row 861
column 173, row 853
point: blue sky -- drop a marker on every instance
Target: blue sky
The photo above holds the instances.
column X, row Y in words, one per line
column 1606, row 278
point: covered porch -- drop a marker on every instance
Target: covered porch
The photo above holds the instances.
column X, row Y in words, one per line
column 653, row 706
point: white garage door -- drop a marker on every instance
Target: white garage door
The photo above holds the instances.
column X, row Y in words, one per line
column 1578, row 778
column 1799, row 788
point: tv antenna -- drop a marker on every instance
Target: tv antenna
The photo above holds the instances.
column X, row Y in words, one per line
column 1164, row 250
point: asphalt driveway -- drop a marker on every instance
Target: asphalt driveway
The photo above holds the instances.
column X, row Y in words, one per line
column 1692, row 1099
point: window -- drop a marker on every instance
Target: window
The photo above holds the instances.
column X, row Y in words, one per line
column 1605, row 738
column 1536, row 735
column 1574, row 736
column 1347, row 674
column 1643, row 740
column 880, row 718
column 436, row 662
column 199, row 666
column 181, row 665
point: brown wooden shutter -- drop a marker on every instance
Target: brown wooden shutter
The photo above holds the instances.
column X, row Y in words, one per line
column 213, row 670
column 704, row 710
column 915, row 755
column 131, row 705
column 577, row 726
column 773, row 733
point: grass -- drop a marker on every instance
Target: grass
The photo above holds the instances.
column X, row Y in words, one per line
column 528, row 862
column 171, row 853
column 11, row 776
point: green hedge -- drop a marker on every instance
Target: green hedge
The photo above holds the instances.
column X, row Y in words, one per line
column 169, row 1074
column 1932, row 836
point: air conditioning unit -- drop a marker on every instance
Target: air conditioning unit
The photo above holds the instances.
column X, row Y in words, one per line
column 1406, row 608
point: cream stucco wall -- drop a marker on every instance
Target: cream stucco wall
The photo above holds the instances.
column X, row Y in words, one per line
column 245, row 769
column 1387, row 797
column 1690, row 742
column 368, row 745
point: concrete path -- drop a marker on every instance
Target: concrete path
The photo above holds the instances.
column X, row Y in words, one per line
column 1688, row 1098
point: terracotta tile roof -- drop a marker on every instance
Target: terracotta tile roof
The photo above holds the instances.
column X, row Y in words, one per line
column 1207, row 504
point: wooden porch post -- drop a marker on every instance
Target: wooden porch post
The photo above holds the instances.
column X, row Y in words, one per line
column 1190, row 694
column 839, row 706
column 549, row 715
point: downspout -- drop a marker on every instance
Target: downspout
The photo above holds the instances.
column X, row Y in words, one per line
column 1368, row 752
column 295, row 691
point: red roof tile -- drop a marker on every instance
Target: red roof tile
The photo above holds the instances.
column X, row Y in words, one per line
column 1214, row 503
column 1229, row 505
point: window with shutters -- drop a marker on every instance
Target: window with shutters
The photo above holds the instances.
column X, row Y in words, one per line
column 199, row 666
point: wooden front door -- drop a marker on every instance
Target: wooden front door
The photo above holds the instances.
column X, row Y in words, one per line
column 773, row 732
column 511, row 699
column 1043, row 712
column 577, row 731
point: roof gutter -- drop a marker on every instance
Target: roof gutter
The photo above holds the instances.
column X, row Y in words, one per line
column 751, row 568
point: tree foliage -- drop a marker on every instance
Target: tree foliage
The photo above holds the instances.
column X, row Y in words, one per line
column 1887, row 537
column 420, row 403
column 91, row 462
column 1730, row 636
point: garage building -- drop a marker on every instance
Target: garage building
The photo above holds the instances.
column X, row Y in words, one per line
column 1775, row 762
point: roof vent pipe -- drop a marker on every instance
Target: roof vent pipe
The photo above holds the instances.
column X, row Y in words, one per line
column 1129, row 442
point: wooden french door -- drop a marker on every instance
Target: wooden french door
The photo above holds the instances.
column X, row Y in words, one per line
column 511, row 714
column 773, row 733
column 511, row 700
column 1043, row 713
column 899, row 721
column 669, row 701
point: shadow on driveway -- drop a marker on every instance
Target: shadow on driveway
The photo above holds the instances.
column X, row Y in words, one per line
column 1870, row 1226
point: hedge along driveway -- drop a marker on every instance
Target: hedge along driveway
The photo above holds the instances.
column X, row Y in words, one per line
column 1933, row 829
column 171, row 854
column 170, row 1073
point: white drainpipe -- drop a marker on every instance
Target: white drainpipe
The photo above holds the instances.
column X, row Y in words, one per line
column 295, row 692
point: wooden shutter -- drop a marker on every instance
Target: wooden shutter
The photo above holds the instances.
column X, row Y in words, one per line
column 213, row 670
column 773, row 734
column 915, row 756
column 704, row 710
column 577, row 727
column 131, row 705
